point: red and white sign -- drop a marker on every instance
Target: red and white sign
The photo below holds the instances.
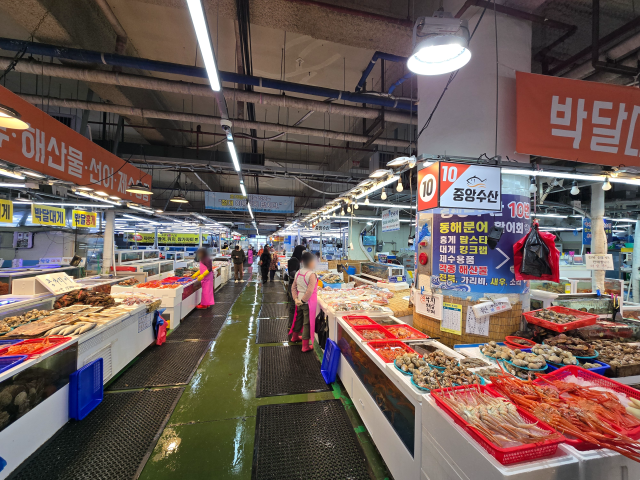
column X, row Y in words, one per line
column 472, row 187
column 428, row 187
column 577, row 120
column 51, row 148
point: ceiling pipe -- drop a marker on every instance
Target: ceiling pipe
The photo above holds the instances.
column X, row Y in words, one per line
column 129, row 111
column 198, row 89
column 121, row 34
column 186, row 70
column 376, row 56
column 595, row 48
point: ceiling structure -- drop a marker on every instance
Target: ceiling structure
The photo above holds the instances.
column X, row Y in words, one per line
column 296, row 142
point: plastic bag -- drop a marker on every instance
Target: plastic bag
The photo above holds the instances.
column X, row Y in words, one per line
column 536, row 257
column 161, row 337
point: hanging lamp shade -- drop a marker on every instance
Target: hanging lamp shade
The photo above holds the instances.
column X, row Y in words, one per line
column 139, row 189
column 9, row 118
column 179, row 199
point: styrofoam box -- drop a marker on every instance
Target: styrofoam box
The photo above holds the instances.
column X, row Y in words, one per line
column 170, row 296
column 448, row 452
column 604, row 465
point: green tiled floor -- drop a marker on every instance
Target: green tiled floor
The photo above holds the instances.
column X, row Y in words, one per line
column 211, row 431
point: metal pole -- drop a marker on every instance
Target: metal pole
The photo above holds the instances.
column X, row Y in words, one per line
column 200, row 237
column 109, row 245
column 598, row 237
column 635, row 264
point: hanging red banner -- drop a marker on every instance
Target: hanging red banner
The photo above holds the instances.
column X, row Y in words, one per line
column 53, row 149
column 577, row 120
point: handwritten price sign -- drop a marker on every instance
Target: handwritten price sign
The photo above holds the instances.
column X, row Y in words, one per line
column 58, row 283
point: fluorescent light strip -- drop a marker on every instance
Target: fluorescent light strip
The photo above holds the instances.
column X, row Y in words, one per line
column 626, row 220
column 13, row 185
column 204, row 42
column 99, row 199
column 141, row 209
column 8, row 173
column 571, row 176
column 139, row 219
column 549, row 215
column 249, row 207
column 234, row 155
column 52, row 204
column 386, row 205
column 244, row 192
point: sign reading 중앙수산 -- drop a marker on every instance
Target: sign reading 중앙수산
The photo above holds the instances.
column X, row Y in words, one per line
column 238, row 202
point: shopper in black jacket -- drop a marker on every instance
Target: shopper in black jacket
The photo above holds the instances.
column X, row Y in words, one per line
column 265, row 263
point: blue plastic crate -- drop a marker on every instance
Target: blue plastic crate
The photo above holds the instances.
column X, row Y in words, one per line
column 85, row 389
column 11, row 361
column 330, row 361
column 4, row 343
column 599, row 370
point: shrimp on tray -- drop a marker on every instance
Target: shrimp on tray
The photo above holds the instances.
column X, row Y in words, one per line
column 574, row 410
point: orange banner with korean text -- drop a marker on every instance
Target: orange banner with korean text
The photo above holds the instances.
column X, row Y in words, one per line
column 577, row 120
column 51, row 148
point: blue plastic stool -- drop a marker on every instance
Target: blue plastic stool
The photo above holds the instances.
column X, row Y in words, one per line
column 330, row 361
column 85, row 389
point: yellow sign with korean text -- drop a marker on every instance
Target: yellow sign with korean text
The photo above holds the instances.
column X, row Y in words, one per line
column 44, row 215
column 6, row 211
column 169, row 238
column 83, row 219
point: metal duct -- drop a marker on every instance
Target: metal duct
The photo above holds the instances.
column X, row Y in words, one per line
column 199, row 90
column 128, row 111
column 177, row 69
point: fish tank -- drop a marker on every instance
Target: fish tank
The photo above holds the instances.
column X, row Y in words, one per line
column 595, row 305
column 151, row 269
column 562, row 287
column 166, row 266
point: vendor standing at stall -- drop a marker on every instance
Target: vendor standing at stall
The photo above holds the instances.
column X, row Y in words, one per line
column 206, row 278
column 305, row 295
column 293, row 265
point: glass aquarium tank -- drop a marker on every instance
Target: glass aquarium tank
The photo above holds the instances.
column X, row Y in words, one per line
column 166, row 266
column 595, row 305
column 562, row 287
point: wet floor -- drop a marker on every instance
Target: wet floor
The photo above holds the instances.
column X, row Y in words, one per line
column 211, row 432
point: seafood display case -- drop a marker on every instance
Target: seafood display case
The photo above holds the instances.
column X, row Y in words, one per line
column 9, row 275
column 128, row 256
column 146, row 270
column 371, row 273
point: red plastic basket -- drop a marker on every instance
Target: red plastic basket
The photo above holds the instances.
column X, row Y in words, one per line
column 416, row 334
column 54, row 341
column 376, row 344
column 584, row 319
column 506, row 455
column 597, row 380
column 361, row 328
column 357, row 320
column 514, row 346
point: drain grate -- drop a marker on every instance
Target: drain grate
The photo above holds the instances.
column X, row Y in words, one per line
column 275, row 297
column 272, row 330
column 307, row 440
column 288, row 371
column 170, row 364
column 114, row 441
column 198, row 329
column 274, row 310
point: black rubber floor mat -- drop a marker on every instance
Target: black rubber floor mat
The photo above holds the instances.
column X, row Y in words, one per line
column 274, row 310
column 288, row 371
column 272, row 330
column 275, row 297
column 112, row 442
column 170, row 364
column 198, row 329
column 299, row 441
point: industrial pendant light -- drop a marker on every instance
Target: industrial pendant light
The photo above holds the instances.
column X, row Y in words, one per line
column 384, row 194
column 440, row 45
column 9, row 118
column 179, row 198
column 606, row 186
column 139, row 189
column 574, row 189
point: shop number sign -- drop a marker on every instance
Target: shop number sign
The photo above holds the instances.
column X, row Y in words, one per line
column 460, row 186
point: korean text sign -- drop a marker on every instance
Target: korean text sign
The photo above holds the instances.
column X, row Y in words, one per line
column 473, row 187
column 577, row 120
column 238, row 202
column 58, row 282
column 44, row 215
column 462, row 259
column 83, row 219
column 587, row 232
column 54, row 149
column 6, row 211
column 391, row 220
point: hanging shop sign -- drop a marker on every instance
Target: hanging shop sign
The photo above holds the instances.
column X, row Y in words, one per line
column 391, row 220
column 259, row 203
column 323, row 226
column 82, row 219
column 462, row 259
column 576, row 120
column 430, row 305
column 6, row 211
column 44, row 215
column 599, row 261
column 174, row 238
column 459, row 185
column 587, row 233
column 51, row 148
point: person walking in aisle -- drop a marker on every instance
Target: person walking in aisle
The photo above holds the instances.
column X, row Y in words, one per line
column 305, row 295
column 206, row 278
column 250, row 261
column 238, row 263
column 265, row 263
column 293, row 265
column 273, row 266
